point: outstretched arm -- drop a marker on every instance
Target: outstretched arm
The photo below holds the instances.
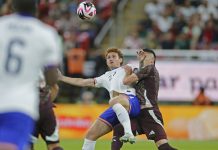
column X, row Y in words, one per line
column 77, row 81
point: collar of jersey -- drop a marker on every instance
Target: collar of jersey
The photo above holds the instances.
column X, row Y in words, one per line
column 114, row 68
column 25, row 15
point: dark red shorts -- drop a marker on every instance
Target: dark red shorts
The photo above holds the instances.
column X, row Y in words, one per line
column 150, row 123
column 46, row 125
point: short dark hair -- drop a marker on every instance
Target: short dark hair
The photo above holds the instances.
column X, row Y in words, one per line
column 150, row 51
column 25, row 6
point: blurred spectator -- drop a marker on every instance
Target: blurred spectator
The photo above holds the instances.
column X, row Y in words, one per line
column 87, row 98
column 206, row 10
column 75, row 60
column 182, row 41
column 209, row 35
column 201, row 98
column 164, row 21
column 180, row 24
column 193, row 30
column 133, row 41
column 167, row 41
column 213, row 2
column 153, row 9
column 187, row 9
column 151, row 41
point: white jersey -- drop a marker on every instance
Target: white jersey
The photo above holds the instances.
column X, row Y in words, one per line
column 26, row 46
column 113, row 81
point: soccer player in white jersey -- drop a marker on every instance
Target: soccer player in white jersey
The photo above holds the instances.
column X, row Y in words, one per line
column 122, row 100
column 26, row 46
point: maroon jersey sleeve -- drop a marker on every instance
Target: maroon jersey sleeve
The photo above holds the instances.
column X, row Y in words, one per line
column 144, row 72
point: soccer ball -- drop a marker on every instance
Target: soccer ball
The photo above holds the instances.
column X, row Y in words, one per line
column 86, row 10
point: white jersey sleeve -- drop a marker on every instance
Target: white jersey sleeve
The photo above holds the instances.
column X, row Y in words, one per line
column 100, row 81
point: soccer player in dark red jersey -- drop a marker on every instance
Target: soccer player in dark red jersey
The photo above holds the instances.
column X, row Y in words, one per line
column 47, row 126
column 150, row 121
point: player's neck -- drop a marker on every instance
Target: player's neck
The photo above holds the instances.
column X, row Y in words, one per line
column 142, row 65
column 114, row 68
column 25, row 14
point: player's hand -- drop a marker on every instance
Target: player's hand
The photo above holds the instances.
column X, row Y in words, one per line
column 128, row 69
column 141, row 55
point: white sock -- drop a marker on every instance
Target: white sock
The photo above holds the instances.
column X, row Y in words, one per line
column 88, row 145
column 123, row 117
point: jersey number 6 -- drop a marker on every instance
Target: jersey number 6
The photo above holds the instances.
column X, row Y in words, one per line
column 14, row 61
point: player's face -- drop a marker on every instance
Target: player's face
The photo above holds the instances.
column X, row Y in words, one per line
column 141, row 55
column 113, row 60
column 146, row 57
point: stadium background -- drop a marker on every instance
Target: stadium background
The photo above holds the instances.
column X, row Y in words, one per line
column 184, row 36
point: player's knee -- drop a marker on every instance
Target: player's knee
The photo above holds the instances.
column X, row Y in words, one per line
column 166, row 146
column 116, row 144
column 91, row 135
column 58, row 148
column 118, row 130
column 124, row 102
column 113, row 102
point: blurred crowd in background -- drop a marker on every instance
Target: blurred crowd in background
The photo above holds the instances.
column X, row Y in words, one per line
column 177, row 24
column 167, row 24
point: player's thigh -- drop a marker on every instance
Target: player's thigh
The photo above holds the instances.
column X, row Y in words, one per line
column 48, row 125
column 4, row 146
column 130, row 102
column 122, row 99
column 97, row 129
column 151, row 123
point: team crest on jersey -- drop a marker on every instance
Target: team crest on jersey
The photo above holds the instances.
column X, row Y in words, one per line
column 111, row 76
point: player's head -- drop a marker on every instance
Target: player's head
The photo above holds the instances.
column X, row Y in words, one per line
column 114, row 58
column 27, row 7
column 147, row 56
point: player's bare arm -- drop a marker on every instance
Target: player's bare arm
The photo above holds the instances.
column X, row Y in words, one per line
column 130, row 79
column 76, row 81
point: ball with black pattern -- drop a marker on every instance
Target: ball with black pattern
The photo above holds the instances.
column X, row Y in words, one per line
column 86, row 10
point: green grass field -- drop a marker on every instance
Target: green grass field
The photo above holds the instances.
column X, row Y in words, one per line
column 140, row 145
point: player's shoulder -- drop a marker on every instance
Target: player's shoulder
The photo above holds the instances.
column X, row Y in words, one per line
column 38, row 26
column 4, row 19
column 152, row 66
column 149, row 68
column 106, row 73
column 45, row 29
